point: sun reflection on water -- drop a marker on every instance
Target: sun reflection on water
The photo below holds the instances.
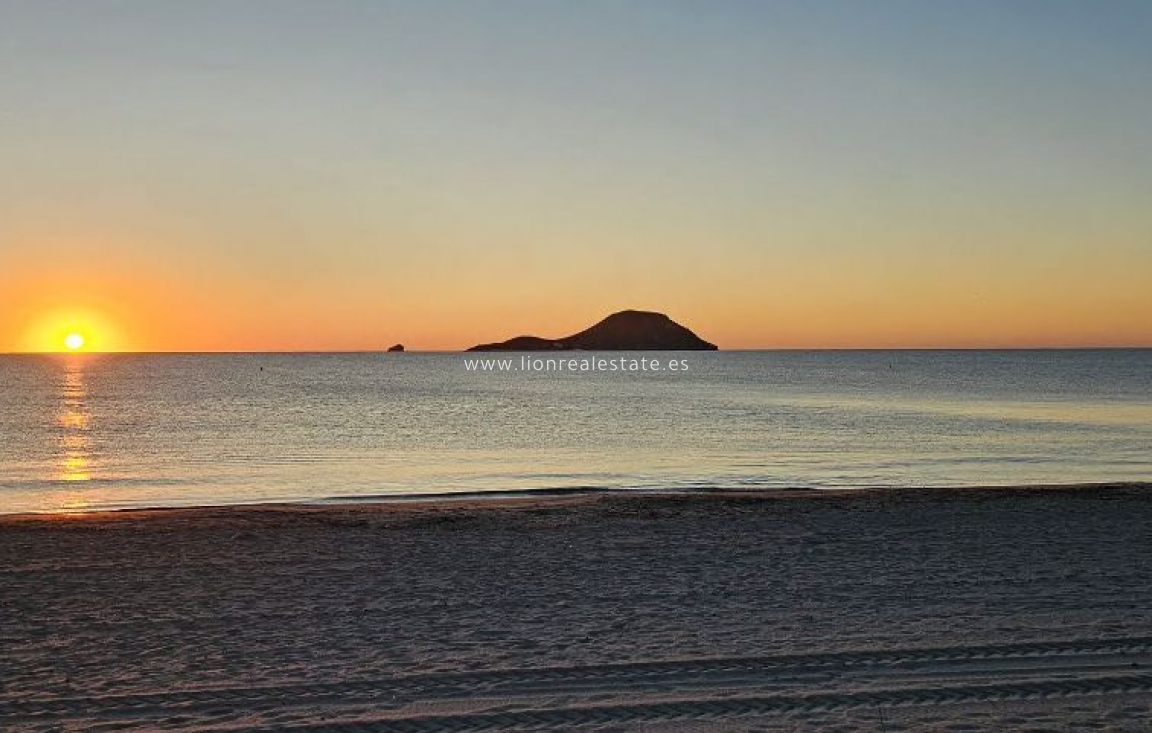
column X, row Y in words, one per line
column 75, row 462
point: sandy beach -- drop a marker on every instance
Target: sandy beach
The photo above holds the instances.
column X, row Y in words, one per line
column 947, row 610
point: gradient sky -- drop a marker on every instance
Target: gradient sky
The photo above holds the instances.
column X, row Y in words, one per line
column 346, row 175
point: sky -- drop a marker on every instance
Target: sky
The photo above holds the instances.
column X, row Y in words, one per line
column 227, row 176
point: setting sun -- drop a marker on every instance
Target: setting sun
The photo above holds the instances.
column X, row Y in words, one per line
column 79, row 328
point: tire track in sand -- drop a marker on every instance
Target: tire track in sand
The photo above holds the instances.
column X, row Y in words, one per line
column 707, row 710
column 1000, row 669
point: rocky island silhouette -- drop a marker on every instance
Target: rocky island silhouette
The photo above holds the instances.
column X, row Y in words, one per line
column 629, row 330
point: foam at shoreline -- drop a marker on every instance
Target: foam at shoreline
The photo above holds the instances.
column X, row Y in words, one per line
column 545, row 497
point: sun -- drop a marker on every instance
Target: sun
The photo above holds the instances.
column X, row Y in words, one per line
column 70, row 330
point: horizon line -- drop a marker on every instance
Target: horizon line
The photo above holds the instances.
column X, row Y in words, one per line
column 763, row 349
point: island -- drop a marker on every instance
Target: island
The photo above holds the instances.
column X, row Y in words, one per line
column 396, row 348
column 629, row 330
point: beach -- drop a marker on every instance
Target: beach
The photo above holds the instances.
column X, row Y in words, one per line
column 590, row 367
column 1025, row 609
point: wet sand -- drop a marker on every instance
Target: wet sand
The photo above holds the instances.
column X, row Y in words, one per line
column 942, row 610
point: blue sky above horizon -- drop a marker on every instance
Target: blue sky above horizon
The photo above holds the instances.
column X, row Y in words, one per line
column 352, row 174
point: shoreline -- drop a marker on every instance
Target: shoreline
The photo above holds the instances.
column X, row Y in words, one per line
column 536, row 499
column 971, row 609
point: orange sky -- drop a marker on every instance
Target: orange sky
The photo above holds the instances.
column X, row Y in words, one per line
column 122, row 308
column 768, row 175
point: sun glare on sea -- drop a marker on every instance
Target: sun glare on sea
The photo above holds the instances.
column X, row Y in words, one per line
column 74, row 341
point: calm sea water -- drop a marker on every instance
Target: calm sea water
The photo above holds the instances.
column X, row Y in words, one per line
column 92, row 431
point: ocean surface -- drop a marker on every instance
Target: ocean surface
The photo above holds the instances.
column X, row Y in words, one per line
column 80, row 432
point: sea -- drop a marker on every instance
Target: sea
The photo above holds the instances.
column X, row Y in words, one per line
column 85, row 432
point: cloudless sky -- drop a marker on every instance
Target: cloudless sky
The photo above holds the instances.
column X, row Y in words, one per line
column 346, row 175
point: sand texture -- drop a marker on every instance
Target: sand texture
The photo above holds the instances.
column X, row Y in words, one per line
column 959, row 611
